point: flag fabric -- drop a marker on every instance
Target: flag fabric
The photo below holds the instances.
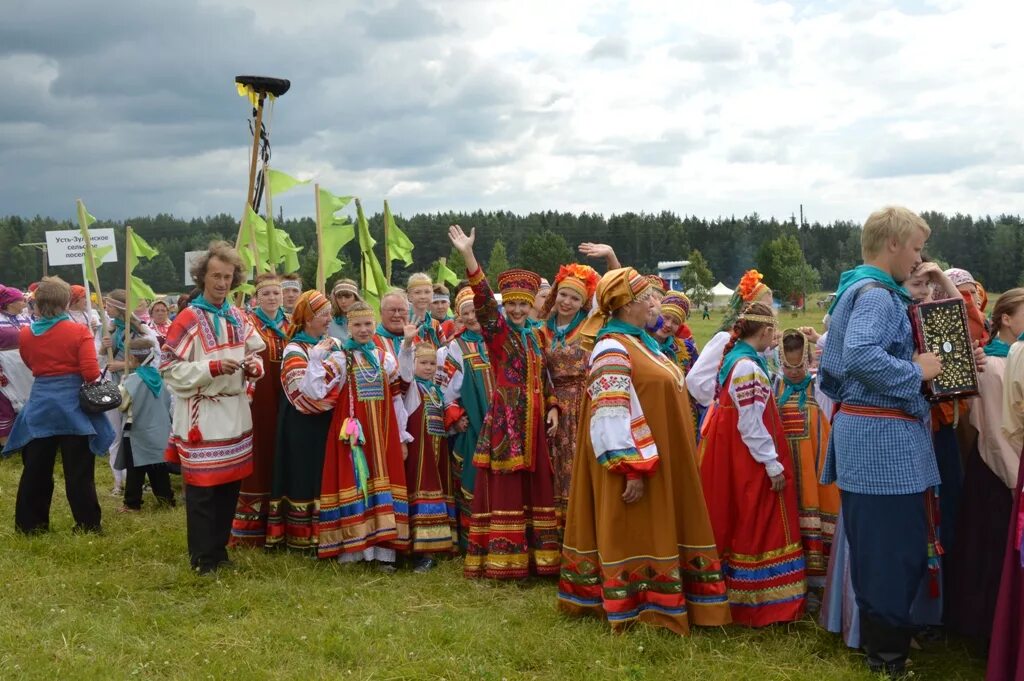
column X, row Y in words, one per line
column 446, row 275
column 92, row 268
column 374, row 283
column 138, row 290
column 398, row 244
column 285, row 250
column 336, row 230
column 279, row 182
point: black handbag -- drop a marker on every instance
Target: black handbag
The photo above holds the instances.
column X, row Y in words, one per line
column 98, row 397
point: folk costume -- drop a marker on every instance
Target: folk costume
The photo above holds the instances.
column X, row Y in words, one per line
column 681, row 348
column 881, row 456
column 653, row 560
column 513, row 532
column 364, row 510
column 429, row 329
column 974, row 564
column 303, row 419
column 806, row 429
column 428, row 475
column 566, row 361
column 338, row 328
column 15, row 378
column 1006, row 653
column 250, row 524
column 211, row 434
column 467, row 381
column 702, row 379
column 757, row 530
column 146, row 404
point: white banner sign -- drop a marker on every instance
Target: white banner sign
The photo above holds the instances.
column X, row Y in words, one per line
column 67, row 247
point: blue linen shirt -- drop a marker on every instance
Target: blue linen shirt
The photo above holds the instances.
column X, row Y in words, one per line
column 868, row 361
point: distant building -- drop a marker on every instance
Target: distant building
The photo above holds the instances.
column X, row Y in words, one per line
column 671, row 271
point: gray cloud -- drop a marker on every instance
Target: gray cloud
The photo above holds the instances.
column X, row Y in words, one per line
column 609, row 47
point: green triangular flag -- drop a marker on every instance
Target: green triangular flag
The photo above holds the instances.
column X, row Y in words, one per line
column 140, row 249
column 444, row 274
column 337, row 231
column 374, row 283
column 399, row 245
column 279, row 182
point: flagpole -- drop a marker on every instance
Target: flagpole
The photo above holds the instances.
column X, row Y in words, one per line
column 387, row 254
column 320, row 283
column 91, row 265
column 252, row 166
column 271, row 228
column 127, row 299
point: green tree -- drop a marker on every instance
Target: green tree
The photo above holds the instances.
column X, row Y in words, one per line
column 497, row 263
column 544, row 253
column 697, row 279
column 785, row 269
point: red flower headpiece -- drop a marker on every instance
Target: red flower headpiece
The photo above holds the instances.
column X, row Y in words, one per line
column 751, row 287
column 581, row 278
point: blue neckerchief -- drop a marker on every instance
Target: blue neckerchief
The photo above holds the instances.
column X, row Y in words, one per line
column 117, row 339
column 474, row 337
column 861, row 272
column 303, row 337
column 369, row 351
column 427, row 331
column 217, row 312
column 619, row 326
column 151, row 377
column 44, row 324
column 791, row 388
column 560, row 335
column 669, row 348
column 742, row 350
column 997, row 348
column 272, row 324
column 431, row 388
column 525, row 332
column 395, row 338
column 341, row 320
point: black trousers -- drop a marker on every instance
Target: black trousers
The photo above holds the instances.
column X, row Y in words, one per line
column 135, row 476
column 35, row 491
column 888, row 536
column 208, row 515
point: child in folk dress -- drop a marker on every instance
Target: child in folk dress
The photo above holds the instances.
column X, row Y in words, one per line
column 428, row 479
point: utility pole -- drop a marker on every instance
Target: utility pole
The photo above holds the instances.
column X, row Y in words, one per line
column 42, row 247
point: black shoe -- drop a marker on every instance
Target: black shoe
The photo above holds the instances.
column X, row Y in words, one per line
column 424, row 565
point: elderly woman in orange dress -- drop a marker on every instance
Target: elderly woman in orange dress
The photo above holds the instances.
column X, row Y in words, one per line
column 638, row 540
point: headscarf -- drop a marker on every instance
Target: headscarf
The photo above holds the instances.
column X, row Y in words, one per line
column 960, row 277
column 616, row 289
column 9, row 294
column 77, row 293
column 306, row 307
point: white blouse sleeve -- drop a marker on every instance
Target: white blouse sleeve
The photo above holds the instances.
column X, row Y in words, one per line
column 405, row 405
column 703, row 376
column 313, row 383
column 750, row 392
column 406, row 363
column 451, row 374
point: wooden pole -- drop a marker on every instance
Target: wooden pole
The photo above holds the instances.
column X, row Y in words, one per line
column 128, row 309
column 91, row 268
column 321, row 284
column 387, row 252
column 253, row 159
column 271, row 227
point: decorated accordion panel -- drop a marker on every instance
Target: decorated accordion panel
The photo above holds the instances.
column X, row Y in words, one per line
column 940, row 327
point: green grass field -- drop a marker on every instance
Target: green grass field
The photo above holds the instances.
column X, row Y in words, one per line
column 124, row 605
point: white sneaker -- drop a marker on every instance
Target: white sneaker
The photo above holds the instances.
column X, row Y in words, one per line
column 117, row 492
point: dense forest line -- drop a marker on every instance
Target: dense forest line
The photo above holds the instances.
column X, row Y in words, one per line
column 991, row 248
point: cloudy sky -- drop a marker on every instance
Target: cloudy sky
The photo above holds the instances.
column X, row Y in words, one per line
column 706, row 108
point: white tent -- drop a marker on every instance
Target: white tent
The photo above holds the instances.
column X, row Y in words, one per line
column 720, row 294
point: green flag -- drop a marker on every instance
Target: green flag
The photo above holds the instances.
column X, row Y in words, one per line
column 374, row 283
column 286, row 250
column 279, row 182
column 137, row 248
column 337, row 230
column 93, row 256
column 398, row 244
column 140, row 249
column 444, row 274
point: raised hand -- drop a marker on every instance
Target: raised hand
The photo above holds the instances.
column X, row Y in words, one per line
column 410, row 333
column 592, row 250
column 462, row 242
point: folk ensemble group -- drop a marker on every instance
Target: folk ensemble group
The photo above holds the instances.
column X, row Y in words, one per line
column 571, row 431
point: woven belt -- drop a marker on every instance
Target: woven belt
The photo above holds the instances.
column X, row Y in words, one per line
column 876, row 412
